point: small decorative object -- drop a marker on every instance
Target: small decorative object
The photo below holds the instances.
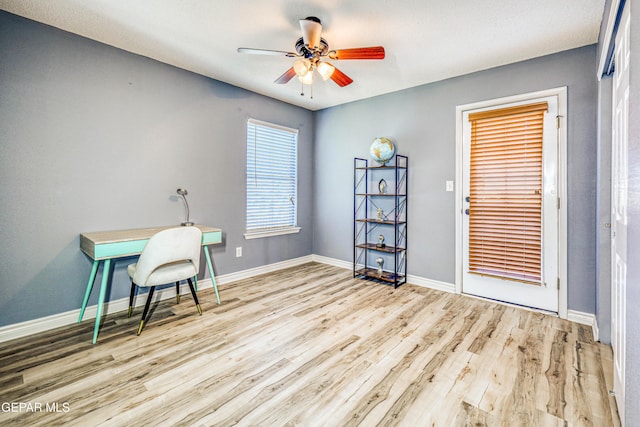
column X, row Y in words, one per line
column 382, row 150
column 382, row 186
column 183, row 192
column 380, row 262
column 380, row 214
column 380, row 243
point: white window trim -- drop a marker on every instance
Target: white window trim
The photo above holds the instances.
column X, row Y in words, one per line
column 279, row 231
column 274, row 232
column 273, row 125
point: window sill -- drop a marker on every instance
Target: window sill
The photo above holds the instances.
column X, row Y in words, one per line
column 273, row 232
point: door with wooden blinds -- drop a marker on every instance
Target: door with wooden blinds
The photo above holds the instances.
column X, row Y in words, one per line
column 511, row 163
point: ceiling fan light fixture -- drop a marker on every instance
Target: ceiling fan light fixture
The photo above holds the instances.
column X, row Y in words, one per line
column 325, row 70
column 311, row 51
column 302, row 67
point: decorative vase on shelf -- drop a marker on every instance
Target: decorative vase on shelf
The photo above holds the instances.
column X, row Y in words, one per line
column 382, row 150
column 382, row 186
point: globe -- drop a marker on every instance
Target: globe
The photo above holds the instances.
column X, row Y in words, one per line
column 382, row 150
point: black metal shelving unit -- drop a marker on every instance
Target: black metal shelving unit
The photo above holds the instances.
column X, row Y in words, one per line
column 380, row 210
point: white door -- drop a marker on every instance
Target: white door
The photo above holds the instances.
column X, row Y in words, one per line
column 619, row 178
column 541, row 292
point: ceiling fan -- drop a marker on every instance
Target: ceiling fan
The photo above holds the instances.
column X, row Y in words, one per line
column 311, row 53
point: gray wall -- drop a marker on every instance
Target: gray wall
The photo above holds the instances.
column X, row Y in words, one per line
column 94, row 138
column 422, row 120
column 603, row 212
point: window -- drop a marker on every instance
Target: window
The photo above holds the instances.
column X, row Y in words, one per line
column 272, row 180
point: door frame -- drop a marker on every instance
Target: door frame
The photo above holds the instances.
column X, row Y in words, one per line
column 619, row 236
column 561, row 93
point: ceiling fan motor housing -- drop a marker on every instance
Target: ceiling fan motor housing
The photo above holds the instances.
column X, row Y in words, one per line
column 304, row 51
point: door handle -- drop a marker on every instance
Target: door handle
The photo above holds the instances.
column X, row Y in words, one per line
column 468, row 199
column 466, row 211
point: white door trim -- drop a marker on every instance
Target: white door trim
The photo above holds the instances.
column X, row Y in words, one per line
column 607, row 40
column 561, row 93
column 619, row 204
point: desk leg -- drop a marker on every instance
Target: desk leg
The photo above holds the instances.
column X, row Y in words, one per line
column 213, row 277
column 87, row 293
column 103, row 292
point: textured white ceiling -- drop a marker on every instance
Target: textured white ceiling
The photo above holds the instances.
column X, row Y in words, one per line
column 425, row 40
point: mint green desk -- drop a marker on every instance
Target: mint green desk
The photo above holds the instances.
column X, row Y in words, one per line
column 108, row 245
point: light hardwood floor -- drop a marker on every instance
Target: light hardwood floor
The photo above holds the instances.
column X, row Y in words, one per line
column 311, row 346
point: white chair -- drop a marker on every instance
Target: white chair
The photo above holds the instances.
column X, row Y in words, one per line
column 169, row 256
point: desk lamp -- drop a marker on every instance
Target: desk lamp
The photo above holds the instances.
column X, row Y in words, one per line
column 183, row 192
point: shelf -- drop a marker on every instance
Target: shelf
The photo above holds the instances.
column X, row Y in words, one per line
column 371, row 225
column 386, row 276
column 375, row 221
column 373, row 247
column 381, row 167
column 380, row 195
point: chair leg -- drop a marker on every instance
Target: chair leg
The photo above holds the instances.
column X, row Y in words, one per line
column 146, row 308
column 195, row 297
column 131, row 295
column 177, row 292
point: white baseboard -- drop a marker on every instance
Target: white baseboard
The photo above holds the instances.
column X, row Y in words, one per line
column 430, row 283
column 245, row 274
column 572, row 315
column 332, row 261
column 596, row 329
column 19, row 330
column 42, row 324
column 585, row 319
column 30, row 327
column 414, row 280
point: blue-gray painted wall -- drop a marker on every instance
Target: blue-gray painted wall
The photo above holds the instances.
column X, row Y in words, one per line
column 422, row 120
column 603, row 211
column 94, row 138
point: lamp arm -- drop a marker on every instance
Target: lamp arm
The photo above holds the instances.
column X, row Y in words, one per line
column 186, row 205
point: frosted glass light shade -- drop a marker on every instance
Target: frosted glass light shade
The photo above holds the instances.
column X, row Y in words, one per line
column 325, row 70
column 302, row 67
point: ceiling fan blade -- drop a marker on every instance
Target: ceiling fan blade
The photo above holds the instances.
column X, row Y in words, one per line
column 311, row 30
column 341, row 78
column 266, row 52
column 374, row 52
column 288, row 75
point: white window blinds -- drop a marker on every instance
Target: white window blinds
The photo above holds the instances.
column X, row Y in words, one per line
column 272, row 153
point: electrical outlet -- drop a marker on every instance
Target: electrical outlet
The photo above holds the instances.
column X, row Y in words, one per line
column 449, row 185
column 238, row 251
